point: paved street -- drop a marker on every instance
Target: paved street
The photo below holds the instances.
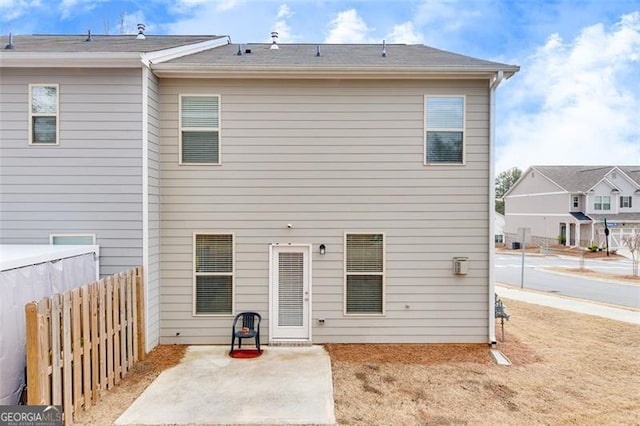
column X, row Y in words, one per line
column 509, row 266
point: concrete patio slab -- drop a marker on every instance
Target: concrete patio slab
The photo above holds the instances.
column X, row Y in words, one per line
column 286, row 385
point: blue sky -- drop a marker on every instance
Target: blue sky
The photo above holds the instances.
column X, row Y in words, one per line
column 575, row 101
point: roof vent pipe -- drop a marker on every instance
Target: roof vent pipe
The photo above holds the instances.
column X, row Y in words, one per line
column 384, row 49
column 239, row 50
column 10, row 45
column 141, row 28
column 318, row 50
column 88, row 35
column 274, row 37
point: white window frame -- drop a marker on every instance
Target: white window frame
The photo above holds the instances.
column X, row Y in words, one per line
column 232, row 274
column 575, row 201
column 32, row 114
column 199, row 129
column 444, row 129
column 53, row 236
column 601, row 197
column 383, row 274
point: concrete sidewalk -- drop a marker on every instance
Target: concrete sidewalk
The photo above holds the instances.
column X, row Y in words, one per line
column 286, row 385
column 569, row 303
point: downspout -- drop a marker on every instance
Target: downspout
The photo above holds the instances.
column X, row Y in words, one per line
column 492, row 204
column 145, row 198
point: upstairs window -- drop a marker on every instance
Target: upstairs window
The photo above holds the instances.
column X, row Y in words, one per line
column 72, row 239
column 625, row 202
column 444, row 120
column 199, row 129
column 602, row 202
column 576, row 202
column 43, row 114
column 364, row 259
column 213, row 271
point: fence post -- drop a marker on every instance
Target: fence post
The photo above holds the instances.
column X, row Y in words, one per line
column 67, row 351
column 140, row 312
column 44, row 334
column 56, row 344
column 76, row 338
column 129, row 291
column 33, row 359
column 86, row 346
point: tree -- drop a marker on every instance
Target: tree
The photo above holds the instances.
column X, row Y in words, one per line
column 632, row 242
column 504, row 182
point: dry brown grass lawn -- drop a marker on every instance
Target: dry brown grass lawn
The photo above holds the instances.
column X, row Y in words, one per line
column 567, row 369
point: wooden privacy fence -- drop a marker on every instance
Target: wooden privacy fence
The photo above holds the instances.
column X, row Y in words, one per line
column 84, row 341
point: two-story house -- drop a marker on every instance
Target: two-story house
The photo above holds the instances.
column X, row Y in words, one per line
column 569, row 205
column 343, row 191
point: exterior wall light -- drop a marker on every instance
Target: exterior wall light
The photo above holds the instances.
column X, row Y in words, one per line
column 323, row 249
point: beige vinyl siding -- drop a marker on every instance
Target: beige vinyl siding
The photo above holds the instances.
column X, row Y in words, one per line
column 91, row 181
column 153, row 153
column 331, row 157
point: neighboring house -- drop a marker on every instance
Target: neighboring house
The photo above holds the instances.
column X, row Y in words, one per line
column 343, row 191
column 569, row 205
column 498, row 227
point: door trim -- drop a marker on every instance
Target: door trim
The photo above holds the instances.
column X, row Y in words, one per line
column 272, row 316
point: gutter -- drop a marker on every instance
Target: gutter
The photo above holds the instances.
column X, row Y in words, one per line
column 70, row 60
column 493, row 85
column 191, row 70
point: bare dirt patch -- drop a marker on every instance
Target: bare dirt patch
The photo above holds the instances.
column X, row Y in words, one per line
column 114, row 402
column 567, row 369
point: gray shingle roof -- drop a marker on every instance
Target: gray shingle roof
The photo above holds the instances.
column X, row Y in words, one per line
column 99, row 43
column 339, row 55
column 583, row 178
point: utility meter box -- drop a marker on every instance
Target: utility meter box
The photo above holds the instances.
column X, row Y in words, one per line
column 461, row 265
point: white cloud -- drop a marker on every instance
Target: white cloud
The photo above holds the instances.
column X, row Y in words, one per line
column 348, row 27
column 447, row 16
column 13, row 9
column 284, row 12
column 188, row 6
column 130, row 21
column 70, row 8
column 285, row 35
column 577, row 102
column 404, row 33
column 226, row 4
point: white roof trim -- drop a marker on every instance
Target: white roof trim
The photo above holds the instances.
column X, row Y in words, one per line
column 70, row 59
column 161, row 56
column 605, row 180
column 526, row 173
column 626, row 176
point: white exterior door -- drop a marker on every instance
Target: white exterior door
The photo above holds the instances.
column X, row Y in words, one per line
column 290, row 287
